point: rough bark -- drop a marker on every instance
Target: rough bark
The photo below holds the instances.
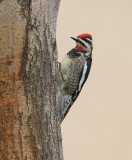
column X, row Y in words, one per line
column 29, row 128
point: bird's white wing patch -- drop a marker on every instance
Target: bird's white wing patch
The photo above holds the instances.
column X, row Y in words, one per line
column 83, row 75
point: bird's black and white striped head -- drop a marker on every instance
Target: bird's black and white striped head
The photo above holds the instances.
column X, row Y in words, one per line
column 84, row 43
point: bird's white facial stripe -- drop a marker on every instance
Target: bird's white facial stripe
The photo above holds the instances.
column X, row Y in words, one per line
column 86, row 44
column 83, row 75
column 89, row 40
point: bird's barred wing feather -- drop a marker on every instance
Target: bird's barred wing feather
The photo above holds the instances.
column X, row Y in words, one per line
column 76, row 77
column 84, row 75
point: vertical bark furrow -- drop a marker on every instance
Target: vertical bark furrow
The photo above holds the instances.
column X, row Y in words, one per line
column 29, row 127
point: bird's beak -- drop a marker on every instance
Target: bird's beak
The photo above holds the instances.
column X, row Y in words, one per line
column 75, row 39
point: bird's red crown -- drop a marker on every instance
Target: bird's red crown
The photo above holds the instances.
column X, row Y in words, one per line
column 85, row 35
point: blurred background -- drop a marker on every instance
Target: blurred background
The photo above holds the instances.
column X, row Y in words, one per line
column 99, row 125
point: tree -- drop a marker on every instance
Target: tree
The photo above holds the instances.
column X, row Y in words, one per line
column 29, row 128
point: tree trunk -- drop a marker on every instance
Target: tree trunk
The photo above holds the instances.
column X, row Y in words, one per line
column 29, row 128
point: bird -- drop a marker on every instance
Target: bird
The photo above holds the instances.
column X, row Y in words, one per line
column 73, row 72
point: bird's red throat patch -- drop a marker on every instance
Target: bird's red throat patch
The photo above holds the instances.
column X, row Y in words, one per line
column 80, row 48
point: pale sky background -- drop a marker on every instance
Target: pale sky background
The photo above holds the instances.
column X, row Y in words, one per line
column 99, row 125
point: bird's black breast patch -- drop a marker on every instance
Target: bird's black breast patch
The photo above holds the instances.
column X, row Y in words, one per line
column 74, row 53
